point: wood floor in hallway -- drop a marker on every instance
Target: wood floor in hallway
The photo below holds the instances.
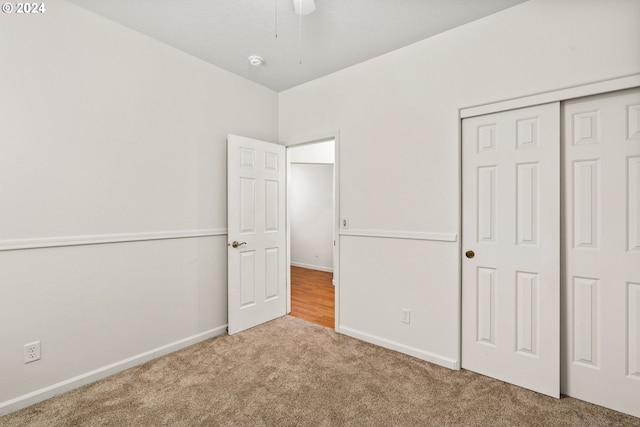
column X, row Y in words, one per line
column 312, row 296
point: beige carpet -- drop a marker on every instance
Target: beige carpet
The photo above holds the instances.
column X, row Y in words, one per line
column 291, row 373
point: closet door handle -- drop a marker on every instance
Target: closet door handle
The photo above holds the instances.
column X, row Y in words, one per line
column 470, row 254
column 237, row 244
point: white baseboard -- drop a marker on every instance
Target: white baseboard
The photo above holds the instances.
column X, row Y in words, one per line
column 392, row 345
column 105, row 371
column 312, row 267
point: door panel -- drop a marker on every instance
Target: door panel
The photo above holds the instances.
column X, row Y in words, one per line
column 255, row 217
column 634, row 329
column 633, row 185
column 511, row 214
column 601, row 275
column 527, row 312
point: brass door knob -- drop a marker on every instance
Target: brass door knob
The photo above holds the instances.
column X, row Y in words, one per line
column 237, row 244
column 470, row 254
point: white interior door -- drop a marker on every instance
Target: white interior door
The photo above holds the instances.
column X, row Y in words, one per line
column 601, row 289
column 257, row 268
column 511, row 216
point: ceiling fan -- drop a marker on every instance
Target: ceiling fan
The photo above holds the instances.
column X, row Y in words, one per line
column 304, row 7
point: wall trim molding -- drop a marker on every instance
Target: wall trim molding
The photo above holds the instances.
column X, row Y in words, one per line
column 391, row 234
column 98, row 239
column 402, row 348
column 588, row 89
column 312, row 267
column 105, row 371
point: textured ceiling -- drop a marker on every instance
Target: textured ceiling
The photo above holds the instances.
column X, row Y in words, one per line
column 340, row 33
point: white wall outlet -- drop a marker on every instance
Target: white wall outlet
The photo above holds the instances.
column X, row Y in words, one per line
column 344, row 222
column 316, row 253
column 406, row 316
column 32, row 352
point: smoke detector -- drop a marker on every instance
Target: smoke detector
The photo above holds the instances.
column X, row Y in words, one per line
column 256, row 60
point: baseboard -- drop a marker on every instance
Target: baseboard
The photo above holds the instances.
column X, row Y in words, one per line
column 312, row 267
column 392, row 345
column 105, row 371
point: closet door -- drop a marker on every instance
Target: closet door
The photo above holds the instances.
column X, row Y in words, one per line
column 601, row 286
column 511, row 247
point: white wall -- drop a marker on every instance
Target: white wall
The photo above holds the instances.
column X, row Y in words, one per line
column 106, row 134
column 397, row 117
column 311, row 215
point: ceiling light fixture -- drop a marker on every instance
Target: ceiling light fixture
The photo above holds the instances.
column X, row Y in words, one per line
column 256, row 60
column 304, row 7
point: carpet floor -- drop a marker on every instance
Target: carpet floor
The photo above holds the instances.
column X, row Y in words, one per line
column 289, row 372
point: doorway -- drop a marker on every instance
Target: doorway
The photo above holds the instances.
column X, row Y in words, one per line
column 311, row 228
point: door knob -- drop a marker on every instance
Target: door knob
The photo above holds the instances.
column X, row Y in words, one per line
column 237, row 244
column 470, row 254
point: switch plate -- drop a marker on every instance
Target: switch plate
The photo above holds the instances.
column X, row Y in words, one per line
column 406, row 316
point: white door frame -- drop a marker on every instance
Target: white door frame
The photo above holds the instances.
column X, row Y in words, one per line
column 563, row 94
column 336, row 215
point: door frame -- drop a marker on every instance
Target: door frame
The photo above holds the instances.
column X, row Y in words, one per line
column 559, row 95
column 336, row 215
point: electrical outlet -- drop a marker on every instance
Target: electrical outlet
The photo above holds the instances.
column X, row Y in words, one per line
column 316, row 253
column 32, row 352
column 406, row 316
column 344, row 222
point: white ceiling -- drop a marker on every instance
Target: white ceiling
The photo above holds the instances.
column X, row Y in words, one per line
column 340, row 33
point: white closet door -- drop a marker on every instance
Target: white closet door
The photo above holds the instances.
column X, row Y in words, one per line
column 511, row 219
column 601, row 286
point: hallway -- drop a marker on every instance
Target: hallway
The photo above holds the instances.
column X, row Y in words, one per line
column 312, row 296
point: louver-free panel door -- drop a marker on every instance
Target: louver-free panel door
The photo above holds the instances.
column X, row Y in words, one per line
column 511, row 247
column 601, row 286
column 256, row 232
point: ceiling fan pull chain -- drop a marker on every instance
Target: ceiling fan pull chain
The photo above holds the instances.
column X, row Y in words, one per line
column 300, row 35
